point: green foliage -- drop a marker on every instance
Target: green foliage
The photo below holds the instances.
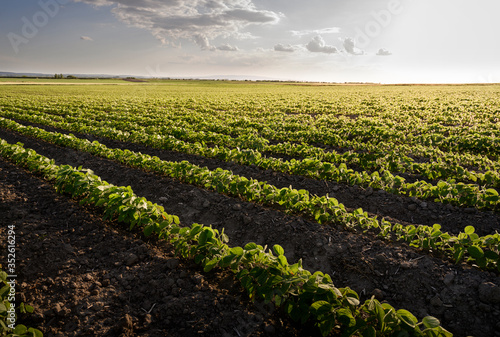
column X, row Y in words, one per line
column 323, row 209
column 263, row 274
column 247, row 149
column 7, row 312
column 445, row 138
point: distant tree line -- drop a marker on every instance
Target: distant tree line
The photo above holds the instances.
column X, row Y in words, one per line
column 62, row 76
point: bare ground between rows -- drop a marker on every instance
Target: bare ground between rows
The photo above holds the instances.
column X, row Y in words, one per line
column 394, row 208
column 86, row 277
column 463, row 298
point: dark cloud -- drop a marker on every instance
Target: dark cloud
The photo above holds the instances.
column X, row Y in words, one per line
column 318, row 45
column 197, row 20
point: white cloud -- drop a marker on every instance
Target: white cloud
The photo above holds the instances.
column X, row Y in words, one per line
column 202, row 41
column 284, row 48
column 318, row 45
column 350, row 47
column 383, row 52
column 196, row 20
column 86, row 38
column 226, row 47
column 331, row 30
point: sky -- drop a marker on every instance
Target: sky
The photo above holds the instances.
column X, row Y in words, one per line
column 382, row 41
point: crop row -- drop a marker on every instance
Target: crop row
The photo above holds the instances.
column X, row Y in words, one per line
column 368, row 159
column 244, row 133
column 444, row 191
column 374, row 125
column 483, row 251
column 262, row 273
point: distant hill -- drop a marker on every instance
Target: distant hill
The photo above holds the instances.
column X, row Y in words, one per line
column 212, row 77
column 10, row 74
column 13, row 74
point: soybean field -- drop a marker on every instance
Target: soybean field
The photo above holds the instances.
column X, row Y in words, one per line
column 224, row 208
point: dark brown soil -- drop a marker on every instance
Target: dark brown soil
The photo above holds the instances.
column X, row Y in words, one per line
column 86, row 277
column 74, row 267
column 133, row 80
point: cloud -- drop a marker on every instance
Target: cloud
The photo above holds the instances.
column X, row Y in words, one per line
column 226, row 47
column 202, row 41
column 197, row 20
column 284, row 48
column 86, row 38
column 383, row 52
column 318, row 45
column 331, row 30
column 350, row 47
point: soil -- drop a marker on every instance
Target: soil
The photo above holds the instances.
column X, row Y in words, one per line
column 88, row 277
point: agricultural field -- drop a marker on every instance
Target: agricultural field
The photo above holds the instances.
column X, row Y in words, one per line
column 213, row 208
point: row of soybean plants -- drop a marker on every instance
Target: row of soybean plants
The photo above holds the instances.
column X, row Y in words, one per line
column 483, row 251
column 326, row 129
column 264, row 273
column 186, row 125
column 480, row 195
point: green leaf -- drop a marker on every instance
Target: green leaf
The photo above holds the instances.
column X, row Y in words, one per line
column 205, row 235
column 492, row 192
column 321, row 307
column 227, row 260
column 238, row 251
column 431, row 322
column 35, row 332
column 326, row 327
column 250, row 246
column 279, row 250
column 5, row 289
column 282, row 260
column 20, row 329
column 3, row 308
column 27, row 308
column 474, row 237
column 210, row 265
column 491, row 255
column 148, row 230
column 476, row 252
column 407, row 317
column 196, row 228
column 459, row 254
column 345, row 317
column 352, row 301
column 469, row 230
